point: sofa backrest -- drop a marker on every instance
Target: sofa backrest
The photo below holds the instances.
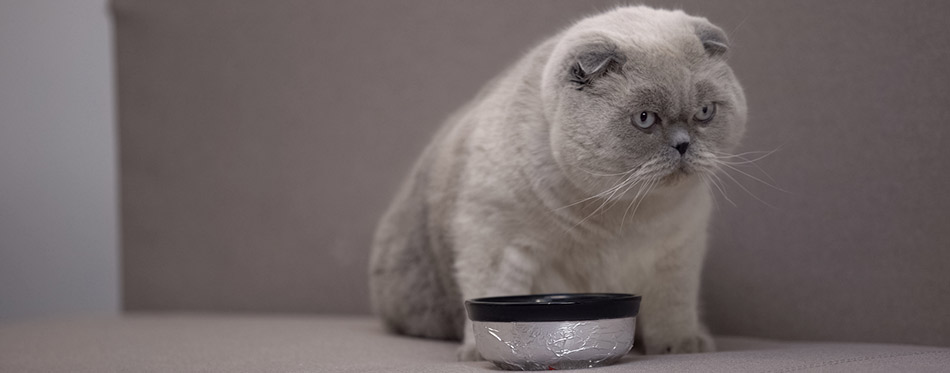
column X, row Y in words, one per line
column 260, row 141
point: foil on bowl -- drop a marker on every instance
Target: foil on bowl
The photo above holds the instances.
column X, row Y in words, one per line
column 554, row 344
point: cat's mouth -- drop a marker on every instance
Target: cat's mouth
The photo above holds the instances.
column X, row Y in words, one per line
column 681, row 169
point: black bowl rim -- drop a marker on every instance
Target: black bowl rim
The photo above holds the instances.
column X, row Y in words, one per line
column 553, row 307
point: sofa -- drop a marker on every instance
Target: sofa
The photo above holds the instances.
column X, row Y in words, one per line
column 306, row 343
column 260, row 142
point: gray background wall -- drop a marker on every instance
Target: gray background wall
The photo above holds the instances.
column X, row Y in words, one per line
column 260, row 142
column 58, row 201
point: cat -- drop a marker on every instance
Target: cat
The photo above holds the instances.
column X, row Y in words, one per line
column 584, row 167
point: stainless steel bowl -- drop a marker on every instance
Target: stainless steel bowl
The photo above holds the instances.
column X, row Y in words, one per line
column 554, row 331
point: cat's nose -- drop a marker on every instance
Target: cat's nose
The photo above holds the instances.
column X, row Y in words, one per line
column 681, row 147
column 679, row 138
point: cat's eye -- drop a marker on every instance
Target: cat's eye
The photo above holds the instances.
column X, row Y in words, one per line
column 644, row 120
column 706, row 112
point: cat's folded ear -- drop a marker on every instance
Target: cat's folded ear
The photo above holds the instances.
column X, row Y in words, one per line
column 713, row 38
column 593, row 62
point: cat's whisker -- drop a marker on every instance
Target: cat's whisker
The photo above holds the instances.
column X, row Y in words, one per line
column 629, row 174
column 640, row 177
column 756, row 165
column 708, row 161
column 709, row 178
column 612, row 199
column 722, row 157
column 605, row 193
column 760, row 153
column 755, row 178
column 736, row 162
column 606, row 200
column 741, row 23
column 723, row 186
column 652, row 183
column 632, row 184
column 597, row 174
column 746, row 189
column 619, row 197
column 628, row 183
column 709, row 190
column 639, row 192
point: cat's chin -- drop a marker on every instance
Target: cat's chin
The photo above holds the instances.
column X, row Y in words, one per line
column 684, row 172
column 675, row 178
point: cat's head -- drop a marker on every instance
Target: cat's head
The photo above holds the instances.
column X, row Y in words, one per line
column 642, row 94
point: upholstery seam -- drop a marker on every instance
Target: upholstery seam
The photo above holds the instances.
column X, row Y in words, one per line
column 856, row 360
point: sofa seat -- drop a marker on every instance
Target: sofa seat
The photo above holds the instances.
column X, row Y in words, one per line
column 244, row 343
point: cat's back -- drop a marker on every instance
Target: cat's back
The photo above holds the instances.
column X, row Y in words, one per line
column 412, row 282
column 481, row 131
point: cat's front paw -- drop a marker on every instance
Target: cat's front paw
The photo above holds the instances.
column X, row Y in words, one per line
column 468, row 352
column 679, row 344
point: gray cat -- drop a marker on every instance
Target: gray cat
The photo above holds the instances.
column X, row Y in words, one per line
column 582, row 168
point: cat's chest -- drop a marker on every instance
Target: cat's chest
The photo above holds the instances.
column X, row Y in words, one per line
column 617, row 265
column 603, row 261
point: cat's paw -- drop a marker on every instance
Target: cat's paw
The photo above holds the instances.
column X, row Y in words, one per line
column 681, row 344
column 468, row 352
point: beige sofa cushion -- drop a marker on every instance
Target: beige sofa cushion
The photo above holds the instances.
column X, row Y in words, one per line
column 234, row 344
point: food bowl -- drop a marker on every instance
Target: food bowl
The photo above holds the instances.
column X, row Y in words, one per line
column 554, row 331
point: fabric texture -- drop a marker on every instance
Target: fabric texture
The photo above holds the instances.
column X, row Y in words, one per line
column 235, row 344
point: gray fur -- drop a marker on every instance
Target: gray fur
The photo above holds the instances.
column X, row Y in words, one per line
column 713, row 38
column 518, row 193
